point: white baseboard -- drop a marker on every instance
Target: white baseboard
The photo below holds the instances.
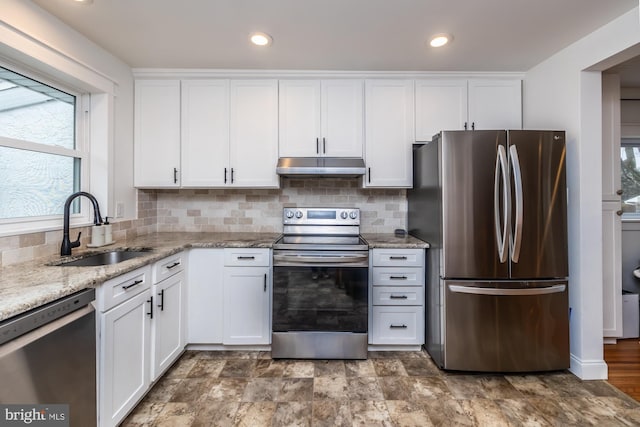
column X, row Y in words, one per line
column 589, row 369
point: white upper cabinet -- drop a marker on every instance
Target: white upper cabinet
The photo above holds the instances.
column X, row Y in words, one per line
column 440, row 104
column 389, row 116
column 254, row 133
column 495, row 104
column 157, row 133
column 458, row 104
column 205, row 132
column 321, row 118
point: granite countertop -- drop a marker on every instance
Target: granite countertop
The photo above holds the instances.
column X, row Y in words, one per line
column 32, row 284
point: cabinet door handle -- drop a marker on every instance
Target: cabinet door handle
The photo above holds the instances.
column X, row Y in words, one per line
column 175, row 175
column 175, row 264
column 317, row 145
column 324, row 145
column 225, row 175
column 465, row 125
column 473, row 125
column 265, row 282
column 150, row 312
column 369, row 175
column 137, row 282
column 619, row 192
column 398, row 257
column 398, row 277
column 398, row 326
column 246, row 257
column 161, row 305
column 619, row 213
column 232, row 175
column 398, row 297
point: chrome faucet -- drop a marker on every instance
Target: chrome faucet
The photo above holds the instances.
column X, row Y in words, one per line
column 67, row 244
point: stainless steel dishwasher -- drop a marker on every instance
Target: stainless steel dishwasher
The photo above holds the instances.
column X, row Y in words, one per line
column 48, row 356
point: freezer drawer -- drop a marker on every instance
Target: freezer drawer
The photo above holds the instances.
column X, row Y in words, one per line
column 506, row 326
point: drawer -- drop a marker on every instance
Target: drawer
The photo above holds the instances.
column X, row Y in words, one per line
column 398, row 295
column 398, row 257
column 239, row 257
column 398, row 276
column 121, row 288
column 168, row 266
column 397, row 325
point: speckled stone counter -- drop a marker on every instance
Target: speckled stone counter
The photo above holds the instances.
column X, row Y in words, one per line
column 390, row 241
column 32, row 284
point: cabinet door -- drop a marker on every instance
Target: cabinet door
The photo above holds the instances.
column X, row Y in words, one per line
column 389, row 133
column 495, row 104
column 611, row 269
column 254, row 133
column 168, row 333
column 440, row 105
column 246, row 305
column 205, row 132
column 157, row 133
column 299, row 118
column 204, row 313
column 124, row 358
column 342, row 118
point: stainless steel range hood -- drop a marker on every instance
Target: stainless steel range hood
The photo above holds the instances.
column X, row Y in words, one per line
column 320, row 166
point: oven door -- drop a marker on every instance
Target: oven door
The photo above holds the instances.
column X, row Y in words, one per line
column 320, row 292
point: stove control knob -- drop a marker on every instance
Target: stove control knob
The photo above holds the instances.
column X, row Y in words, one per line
column 343, row 215
column 298, row 214
column 289, row 214
column 353, row 215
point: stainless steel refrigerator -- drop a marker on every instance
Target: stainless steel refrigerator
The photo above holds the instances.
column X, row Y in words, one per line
column 492, row 205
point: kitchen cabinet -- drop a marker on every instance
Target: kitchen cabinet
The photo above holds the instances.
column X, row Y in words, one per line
column 389, row 115
column 206, row 271
column 206, row 133
column 124, row 304
column 321, row 118
column 247, row 297
column 397, row 297
column 157, row 134
column 168, row 332
column 458, row 104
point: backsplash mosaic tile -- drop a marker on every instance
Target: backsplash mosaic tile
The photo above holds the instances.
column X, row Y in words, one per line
column 227, row 210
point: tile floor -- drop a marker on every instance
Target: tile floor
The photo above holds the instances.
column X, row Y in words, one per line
column 389, row 389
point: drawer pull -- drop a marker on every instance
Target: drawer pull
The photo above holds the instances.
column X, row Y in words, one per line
column 403, row 257
column 137, row 282
column 398, row 277
column 398, row 326
column 398, row 297
column 175, row 264
column 247, row 257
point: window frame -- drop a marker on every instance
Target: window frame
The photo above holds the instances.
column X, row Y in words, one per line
column 626, row 142
column 24, row 225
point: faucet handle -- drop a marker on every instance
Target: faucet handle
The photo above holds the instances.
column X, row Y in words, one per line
column 77, row 242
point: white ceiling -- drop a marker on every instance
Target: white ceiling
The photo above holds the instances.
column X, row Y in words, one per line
column 385, row 35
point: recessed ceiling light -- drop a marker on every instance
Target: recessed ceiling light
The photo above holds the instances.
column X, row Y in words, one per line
column 84, row 1
column 440, row 40
column 260, row 39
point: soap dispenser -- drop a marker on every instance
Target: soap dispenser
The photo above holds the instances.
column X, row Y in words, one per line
column 108, row 237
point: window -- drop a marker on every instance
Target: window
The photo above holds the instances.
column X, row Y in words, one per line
column 630, row 176
column 41, row 155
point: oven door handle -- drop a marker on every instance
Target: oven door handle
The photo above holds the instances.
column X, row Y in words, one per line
column 320, row 259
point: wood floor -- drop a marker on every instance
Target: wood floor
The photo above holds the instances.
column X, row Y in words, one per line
column 623, row 360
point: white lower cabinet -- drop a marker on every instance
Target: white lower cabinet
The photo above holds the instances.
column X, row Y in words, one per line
column 141, row 333
column 204, row 315
column 247, row 296
column 124, row 344
column 397, row 297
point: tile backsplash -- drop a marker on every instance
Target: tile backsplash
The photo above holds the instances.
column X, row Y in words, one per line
column 260, row 210
column 228, row 210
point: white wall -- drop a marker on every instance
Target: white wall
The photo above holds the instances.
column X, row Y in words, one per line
column 32, row 38
column 564, row 92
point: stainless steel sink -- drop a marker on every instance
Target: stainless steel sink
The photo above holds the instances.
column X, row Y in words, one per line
column 104, row 258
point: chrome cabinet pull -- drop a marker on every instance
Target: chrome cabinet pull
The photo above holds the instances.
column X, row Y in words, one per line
column 137, row 282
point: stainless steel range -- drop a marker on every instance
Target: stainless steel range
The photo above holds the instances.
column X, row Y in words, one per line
column 320, row 285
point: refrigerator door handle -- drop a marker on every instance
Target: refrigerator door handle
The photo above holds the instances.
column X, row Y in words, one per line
column 507, row 292
column 501, row 229
column 516, row 241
